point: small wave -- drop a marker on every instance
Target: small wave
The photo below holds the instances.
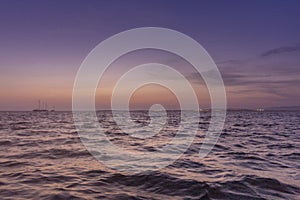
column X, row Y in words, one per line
column 60, row 196
column 5, row 143
column 161, row 183
column 64, row 153
column 13, row 163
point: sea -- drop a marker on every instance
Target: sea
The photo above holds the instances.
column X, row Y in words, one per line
column 257, row 156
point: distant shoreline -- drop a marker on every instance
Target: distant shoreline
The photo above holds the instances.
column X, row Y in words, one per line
column 143, row 110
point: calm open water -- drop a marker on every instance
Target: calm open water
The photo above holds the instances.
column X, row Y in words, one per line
column 256, row 157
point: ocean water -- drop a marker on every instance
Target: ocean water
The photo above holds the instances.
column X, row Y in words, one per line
column 257, row 157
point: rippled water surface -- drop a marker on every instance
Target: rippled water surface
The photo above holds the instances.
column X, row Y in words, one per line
column 256, row 157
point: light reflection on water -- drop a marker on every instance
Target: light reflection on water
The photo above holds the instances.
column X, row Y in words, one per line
column 257, row 157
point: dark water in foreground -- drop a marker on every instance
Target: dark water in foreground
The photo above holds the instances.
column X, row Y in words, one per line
column 257, row 157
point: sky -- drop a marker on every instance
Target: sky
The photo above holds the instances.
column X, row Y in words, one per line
column 255, row 44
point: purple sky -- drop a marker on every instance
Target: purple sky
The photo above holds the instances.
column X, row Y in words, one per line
column 256, row 45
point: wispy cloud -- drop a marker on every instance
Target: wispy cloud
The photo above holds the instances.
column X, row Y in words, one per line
column 280, row 50
column 275, row 72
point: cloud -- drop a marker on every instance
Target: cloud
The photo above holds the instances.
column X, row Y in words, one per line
column 280, row 50
column 271, row 77
column 275, row 72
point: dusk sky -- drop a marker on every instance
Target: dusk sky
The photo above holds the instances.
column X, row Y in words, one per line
column 255, row 44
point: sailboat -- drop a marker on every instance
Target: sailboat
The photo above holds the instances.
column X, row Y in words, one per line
column 41, row 109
